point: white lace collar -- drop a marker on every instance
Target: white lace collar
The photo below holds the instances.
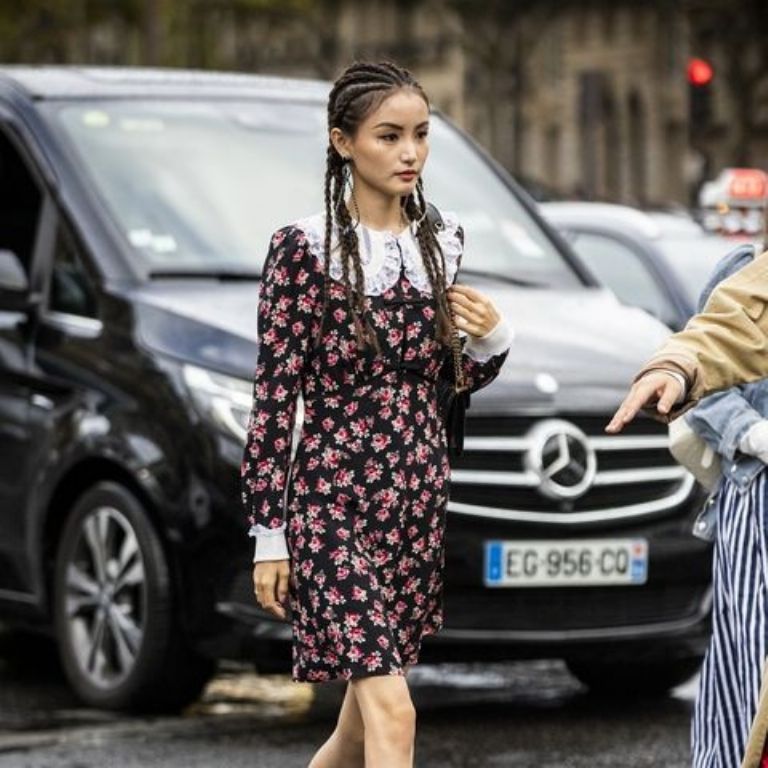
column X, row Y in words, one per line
column 380, row 253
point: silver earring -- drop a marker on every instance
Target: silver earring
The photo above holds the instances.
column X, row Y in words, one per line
column 345, row 181
column 421, row 218
column 439, row 225
column 415, row 223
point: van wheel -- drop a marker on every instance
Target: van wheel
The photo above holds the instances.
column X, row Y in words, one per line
column 629, row 678
column 117, row 635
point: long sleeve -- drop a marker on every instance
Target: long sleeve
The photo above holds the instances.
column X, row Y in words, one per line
column 723, row 419
column 727, row 343
column 483, row 356
column 290, row 300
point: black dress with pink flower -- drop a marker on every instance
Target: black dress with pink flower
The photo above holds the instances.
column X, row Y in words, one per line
column 362, row 494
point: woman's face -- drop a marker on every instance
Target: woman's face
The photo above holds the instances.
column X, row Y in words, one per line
column 390, row 147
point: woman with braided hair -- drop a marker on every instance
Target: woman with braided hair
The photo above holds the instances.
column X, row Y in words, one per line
column 359, row 314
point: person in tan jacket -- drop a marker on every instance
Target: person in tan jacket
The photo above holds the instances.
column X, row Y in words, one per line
column 725, row 345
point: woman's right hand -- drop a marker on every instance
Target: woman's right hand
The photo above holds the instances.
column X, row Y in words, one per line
column 270, row 585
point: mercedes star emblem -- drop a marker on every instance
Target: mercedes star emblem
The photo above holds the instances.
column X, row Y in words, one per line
column 561, row 456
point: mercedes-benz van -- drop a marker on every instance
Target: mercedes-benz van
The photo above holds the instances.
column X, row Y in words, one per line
column 135, row 212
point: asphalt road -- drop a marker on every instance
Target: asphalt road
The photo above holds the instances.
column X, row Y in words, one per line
column 469, row 716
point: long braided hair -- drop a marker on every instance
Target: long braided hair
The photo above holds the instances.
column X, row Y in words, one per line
column 358, row 91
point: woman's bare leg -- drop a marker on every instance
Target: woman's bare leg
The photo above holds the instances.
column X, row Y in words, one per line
column 389, row 720
column 345, row 746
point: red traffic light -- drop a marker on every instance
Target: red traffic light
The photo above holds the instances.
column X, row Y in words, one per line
column 700, row 72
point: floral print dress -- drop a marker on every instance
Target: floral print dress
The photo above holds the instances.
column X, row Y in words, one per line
column 359, row 502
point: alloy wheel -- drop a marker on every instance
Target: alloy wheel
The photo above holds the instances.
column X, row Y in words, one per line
column 105, row 597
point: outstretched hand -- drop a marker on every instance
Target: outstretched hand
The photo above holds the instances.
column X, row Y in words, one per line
column 655, row 387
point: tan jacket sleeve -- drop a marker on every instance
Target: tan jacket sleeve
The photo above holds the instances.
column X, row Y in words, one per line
column 727, row 343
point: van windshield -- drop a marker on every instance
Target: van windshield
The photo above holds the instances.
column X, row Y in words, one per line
column 202, row 185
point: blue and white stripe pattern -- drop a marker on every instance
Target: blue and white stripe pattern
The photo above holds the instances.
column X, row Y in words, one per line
column 730, row 677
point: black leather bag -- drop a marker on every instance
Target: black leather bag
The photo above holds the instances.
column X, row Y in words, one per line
column 453, row 395
column 452, row 405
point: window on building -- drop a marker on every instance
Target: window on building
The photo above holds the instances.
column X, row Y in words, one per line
column 637, row 147
column 552, row 157
column 554, row 52
column 608, row 23
column 580, row 22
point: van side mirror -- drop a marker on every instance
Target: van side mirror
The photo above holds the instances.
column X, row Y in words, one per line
column 14, row 286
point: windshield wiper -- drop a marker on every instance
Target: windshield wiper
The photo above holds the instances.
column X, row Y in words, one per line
column 501, row 278
column 207, row 272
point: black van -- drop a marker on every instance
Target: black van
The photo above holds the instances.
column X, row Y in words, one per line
column 135, row 211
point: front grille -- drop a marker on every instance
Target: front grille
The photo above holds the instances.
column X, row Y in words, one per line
column 568, row 608
column 634, row 473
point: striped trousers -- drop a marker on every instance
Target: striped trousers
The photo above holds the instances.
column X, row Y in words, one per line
column 731, row 674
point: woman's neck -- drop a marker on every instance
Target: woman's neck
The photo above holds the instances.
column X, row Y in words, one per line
column 377, row 211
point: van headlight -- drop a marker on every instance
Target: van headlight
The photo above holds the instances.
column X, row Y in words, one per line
column 224, row 400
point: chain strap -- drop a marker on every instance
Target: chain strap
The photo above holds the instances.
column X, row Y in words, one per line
column 460, row 383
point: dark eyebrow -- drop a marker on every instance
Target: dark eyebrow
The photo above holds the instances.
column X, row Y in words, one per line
column 399, row 127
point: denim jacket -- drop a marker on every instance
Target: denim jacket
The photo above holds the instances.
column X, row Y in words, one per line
column 723, row 418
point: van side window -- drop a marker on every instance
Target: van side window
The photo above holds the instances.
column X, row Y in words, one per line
column 620, row 268
column 20, row 203
column 71, row 288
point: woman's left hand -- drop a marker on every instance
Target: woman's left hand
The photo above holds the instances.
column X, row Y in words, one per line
column 475, row 312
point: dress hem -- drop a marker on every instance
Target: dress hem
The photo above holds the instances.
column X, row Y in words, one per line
column 340, row 674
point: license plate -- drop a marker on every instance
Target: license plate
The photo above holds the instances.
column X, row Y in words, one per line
column 565, row 563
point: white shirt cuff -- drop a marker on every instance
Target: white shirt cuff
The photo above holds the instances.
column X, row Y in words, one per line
column 499, row 339
column 271, row 543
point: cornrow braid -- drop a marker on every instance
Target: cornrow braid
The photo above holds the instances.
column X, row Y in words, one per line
column 433, row 259
column 330, row 155
column 355, row 296
column 348, row 245
column 359, row 90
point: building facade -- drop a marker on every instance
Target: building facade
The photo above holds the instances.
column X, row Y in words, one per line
column 588, row 98
column 607, row 117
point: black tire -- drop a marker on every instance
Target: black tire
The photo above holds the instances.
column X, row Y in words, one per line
column 118, row 639
column 633, row 677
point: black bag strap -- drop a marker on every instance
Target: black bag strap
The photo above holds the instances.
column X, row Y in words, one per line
column 434, row 217
column 460, row 384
